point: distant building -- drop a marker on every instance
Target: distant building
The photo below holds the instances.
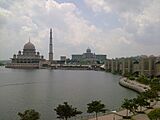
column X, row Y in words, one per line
column 140, row 65
column 28, row 58
column 89, row 58
column 63, row 58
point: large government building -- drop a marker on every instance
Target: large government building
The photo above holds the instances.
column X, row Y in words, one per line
column 140, row 65
column 89, row 58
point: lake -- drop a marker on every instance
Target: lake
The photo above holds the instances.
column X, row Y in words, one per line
column 44, row 89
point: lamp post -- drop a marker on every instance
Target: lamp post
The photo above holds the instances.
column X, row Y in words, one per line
column 114, row 117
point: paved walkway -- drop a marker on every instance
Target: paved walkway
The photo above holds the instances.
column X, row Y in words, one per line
column 112, row 116
column 123, row 112
column 144, row 116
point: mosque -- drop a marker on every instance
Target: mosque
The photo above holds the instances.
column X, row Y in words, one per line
column 29, row 58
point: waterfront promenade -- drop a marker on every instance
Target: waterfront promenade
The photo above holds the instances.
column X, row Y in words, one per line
column 119, row 114
column 138, row 88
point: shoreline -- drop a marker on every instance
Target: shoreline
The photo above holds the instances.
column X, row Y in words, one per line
column 133, row 85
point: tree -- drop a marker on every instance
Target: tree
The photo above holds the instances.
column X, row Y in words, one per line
column 155, row 80
column 134, row 105
column 29, row 115
column 141, row 101
column 66, row 111
column 130, row 105
column 155, row 114
column 96, row 107
column 143, row 79
column 1, row 64
column 155, row 84
column 150, row 95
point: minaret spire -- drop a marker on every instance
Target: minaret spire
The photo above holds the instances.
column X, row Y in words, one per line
column 50, row 47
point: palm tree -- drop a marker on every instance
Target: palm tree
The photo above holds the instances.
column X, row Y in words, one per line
column 66, row 111
column 127, row 105
column 130, row 105
column 96, row 107
column 134, row 105
column 29, row 115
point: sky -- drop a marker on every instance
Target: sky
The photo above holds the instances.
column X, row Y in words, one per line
column 117, row 28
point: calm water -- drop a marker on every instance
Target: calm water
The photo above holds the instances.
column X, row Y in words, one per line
column 44, row 89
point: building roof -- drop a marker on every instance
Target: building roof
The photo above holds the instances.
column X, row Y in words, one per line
column 29, row 46
column 88, row 50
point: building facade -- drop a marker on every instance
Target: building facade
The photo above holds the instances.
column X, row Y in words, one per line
column 140, row 65
column 89, row 58
column 28, row 58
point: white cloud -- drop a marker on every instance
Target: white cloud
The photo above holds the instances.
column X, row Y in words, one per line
column 34, row 19
column 98, row 5
column 138, row 29
column 4, row 12
column 140, row 20
column 65, row 7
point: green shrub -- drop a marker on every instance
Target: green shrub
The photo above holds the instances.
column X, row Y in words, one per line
column 132, row 78
column 155, row 114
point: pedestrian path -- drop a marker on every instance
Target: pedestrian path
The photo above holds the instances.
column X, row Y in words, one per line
column 118, row 115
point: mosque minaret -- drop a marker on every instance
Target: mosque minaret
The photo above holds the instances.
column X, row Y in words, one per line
column 50, row 47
